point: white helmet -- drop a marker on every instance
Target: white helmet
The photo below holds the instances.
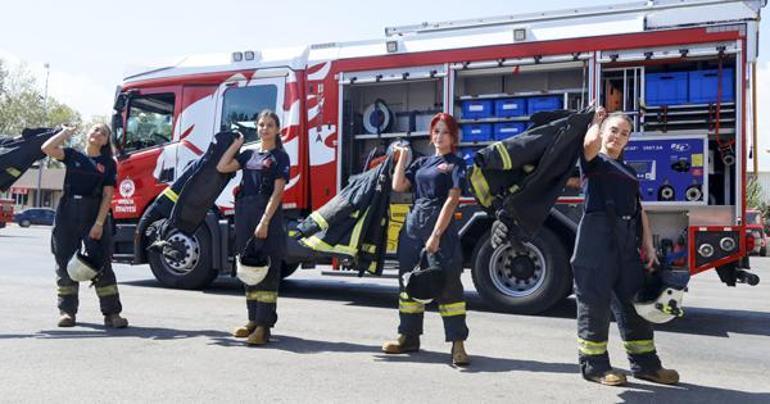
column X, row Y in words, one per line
column 660, row 299
column 82, row 267
column 665, row 308
column 251, row 269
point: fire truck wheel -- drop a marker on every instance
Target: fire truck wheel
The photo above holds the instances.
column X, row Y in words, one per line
column 527, row 282
column 186, row 261
column 288, row 269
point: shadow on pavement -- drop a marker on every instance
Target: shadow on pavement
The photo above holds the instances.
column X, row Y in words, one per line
column 297, row 345
column 688, row 393
column 100, row 331
column 358, row 294
column 482, row 364
column 697, row 320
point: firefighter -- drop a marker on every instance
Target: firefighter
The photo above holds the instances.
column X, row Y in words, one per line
column 437, row 182
column 82, row 214
column 258, row 214
column 606, row 262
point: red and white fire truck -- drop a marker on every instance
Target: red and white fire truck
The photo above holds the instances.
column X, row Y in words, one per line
column 683, row 70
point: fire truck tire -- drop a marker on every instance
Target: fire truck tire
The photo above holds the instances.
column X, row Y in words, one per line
column 525, row 283
column 190, row 270
column 288, row 269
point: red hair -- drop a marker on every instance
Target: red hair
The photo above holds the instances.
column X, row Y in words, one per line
column 451, row 125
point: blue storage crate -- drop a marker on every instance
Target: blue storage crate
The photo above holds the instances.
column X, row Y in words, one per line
column 504, row 130
column 477, row 109
column 508, row 107
column 666, row 88
column 704, row 85
column 544, row 103
column 474, row 132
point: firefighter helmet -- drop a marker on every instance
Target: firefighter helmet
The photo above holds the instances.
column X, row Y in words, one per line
column 86, row 264
column 660, row 299
column 251, row 267
column 424, row 282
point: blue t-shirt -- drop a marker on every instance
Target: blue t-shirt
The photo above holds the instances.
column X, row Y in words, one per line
column 261, row 169
column 86, row 175
column 433, row 176
column 604, row 176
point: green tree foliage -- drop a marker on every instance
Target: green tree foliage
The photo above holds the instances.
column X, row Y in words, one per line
column 22, row 103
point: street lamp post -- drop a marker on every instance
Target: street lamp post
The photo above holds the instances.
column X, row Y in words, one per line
column 41, row 164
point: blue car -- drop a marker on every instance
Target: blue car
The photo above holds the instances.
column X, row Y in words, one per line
column 32, row 216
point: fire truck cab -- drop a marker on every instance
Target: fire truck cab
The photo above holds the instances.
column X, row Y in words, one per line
column 684, row 71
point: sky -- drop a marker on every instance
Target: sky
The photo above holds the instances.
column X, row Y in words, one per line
column 90, row 44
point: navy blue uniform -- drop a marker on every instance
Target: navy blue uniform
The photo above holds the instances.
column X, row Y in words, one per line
column 259, row 170
column 431, row 179
column 78, row 208
column 607, row 267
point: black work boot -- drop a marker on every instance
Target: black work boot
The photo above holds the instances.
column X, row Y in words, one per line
column 402, row 344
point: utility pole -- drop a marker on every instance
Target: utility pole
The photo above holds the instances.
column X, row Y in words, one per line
column 41, row 164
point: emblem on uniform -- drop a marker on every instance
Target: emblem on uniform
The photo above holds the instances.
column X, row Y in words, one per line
column 445, row 168
column 267, row 163
column 100, row 167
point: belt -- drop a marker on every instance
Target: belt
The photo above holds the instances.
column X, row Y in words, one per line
column 77, row 197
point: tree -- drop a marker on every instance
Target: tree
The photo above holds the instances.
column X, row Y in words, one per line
column 754, row 194
column 22, row 104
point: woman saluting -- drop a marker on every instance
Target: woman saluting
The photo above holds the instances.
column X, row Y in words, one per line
column 259, row 227
column 82, row 216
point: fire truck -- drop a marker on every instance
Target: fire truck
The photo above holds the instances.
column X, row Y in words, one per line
column 683, row 70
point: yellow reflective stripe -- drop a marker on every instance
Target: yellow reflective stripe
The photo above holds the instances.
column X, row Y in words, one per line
column 452, row 309
column 292, row 233
column 315, row 243
column 503, row 152
column 410, row 307
column 513, row 189
column 370, row 248
column 14, row 172
column 641, row 346
column 107, row 290
column 481, row 187
column 262, row 296
column 320, row 220
column 67, row 290
column 591, row 348
column 170, row 194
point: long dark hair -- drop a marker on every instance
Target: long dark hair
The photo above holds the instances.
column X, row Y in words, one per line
column 268, row 113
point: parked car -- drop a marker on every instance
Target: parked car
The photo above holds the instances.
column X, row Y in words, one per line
column 32, row 216
column 755, row 228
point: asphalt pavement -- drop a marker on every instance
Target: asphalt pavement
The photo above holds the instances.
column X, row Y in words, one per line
column 326, row 345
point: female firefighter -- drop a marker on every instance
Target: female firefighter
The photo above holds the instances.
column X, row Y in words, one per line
column 259, row 221
column 607, row 265
column 82, row 217
column 437, row 182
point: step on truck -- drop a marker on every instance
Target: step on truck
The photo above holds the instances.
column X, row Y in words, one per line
column 684, row 71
